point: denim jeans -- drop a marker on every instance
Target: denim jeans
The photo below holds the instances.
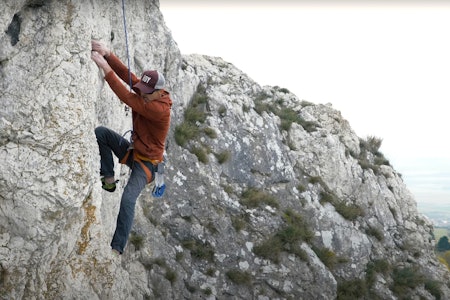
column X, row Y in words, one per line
column 111, row 142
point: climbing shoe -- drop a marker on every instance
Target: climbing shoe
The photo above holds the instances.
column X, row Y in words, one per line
column 110, row 187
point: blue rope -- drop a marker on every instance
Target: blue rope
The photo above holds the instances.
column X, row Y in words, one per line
column 126, row 43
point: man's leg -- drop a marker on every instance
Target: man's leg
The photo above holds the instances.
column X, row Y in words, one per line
column 135, row 185
column 108, row 140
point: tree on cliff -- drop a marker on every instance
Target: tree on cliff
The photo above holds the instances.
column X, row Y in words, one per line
column 443, row 244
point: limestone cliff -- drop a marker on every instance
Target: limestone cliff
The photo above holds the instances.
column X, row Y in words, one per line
column 268, row 197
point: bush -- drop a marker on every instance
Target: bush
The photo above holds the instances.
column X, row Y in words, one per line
column 201, row 154
column 315, row 179
column 328, row 257
column 223, row 156
column 171, row 275
column 378, row 234
column 286, row 115
column 137, row 240
column 254, row 198
column 443, row 244
column 194, row 115
column 371, row 144
column 185, row 132
column 350, row 290
column 434, row 288
column 299, row 226
column 239, row 277
column 199, row 250
column 200, row 96
column 222, row 111
column 210, row 132
column 374, row 267
column 238, row 223
column 349, row 211
column 287, row 239
column 406, row 279
column 269, row 249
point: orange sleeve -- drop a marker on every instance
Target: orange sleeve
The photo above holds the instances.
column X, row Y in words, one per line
column 120, row 69
column 151, row 110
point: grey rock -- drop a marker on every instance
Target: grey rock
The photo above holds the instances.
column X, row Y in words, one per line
column 286, row 201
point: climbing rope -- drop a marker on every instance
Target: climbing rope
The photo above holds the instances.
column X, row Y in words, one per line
column 128, row 53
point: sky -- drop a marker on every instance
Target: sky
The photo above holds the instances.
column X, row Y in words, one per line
column 385, row 65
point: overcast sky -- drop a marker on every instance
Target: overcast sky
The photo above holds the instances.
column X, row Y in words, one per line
column 384, row 64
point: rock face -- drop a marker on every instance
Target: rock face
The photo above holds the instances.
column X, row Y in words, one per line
column 268, row 197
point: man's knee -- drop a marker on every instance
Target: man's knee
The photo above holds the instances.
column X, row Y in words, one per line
column 100, row 131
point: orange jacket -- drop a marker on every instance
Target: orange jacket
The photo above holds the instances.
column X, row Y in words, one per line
column 151, row 120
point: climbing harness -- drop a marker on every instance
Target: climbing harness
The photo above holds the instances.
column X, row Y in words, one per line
column 127, row 109
column 138, row 158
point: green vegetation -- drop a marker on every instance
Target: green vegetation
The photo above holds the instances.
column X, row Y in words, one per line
column 315, row 179
column 299, row 228
column 371, row 145
column 3, row 276
column 349, row 211
column 286, row 115
column 286, row 239
column 228, row 189
column 406, row 279
column 301, row 188
column 207, row 291
column 239, row 277
column 185, row 132
column 375, row 267
column 238, row 223
column 434, row 288
column 137, row 240
column 210, row 132
column 190, row 130
column 223, row 156
column 444, row 258
column 439, row 232
column 179, row 256
column 443, row 244
column 351, row 290
column 328, row 257
column 199, row 250
column 222, row 111
column 253, row 198
column 201, row 154
column 171, row 275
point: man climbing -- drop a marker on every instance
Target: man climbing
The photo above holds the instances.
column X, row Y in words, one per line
column 151, row 106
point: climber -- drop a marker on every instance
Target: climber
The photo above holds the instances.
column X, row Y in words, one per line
column 151, row 106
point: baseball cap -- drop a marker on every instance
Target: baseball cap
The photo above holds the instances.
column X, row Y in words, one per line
column 150, row 81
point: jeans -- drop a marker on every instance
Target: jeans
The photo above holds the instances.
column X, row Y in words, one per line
column 111, row 142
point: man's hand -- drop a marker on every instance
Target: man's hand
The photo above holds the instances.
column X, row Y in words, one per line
column 100, row 48
column 101, row 62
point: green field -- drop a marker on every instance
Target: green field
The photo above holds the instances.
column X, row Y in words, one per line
column 440, row 232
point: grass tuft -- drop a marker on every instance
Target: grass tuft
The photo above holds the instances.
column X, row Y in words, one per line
column 239, row 277
column 253, row 198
